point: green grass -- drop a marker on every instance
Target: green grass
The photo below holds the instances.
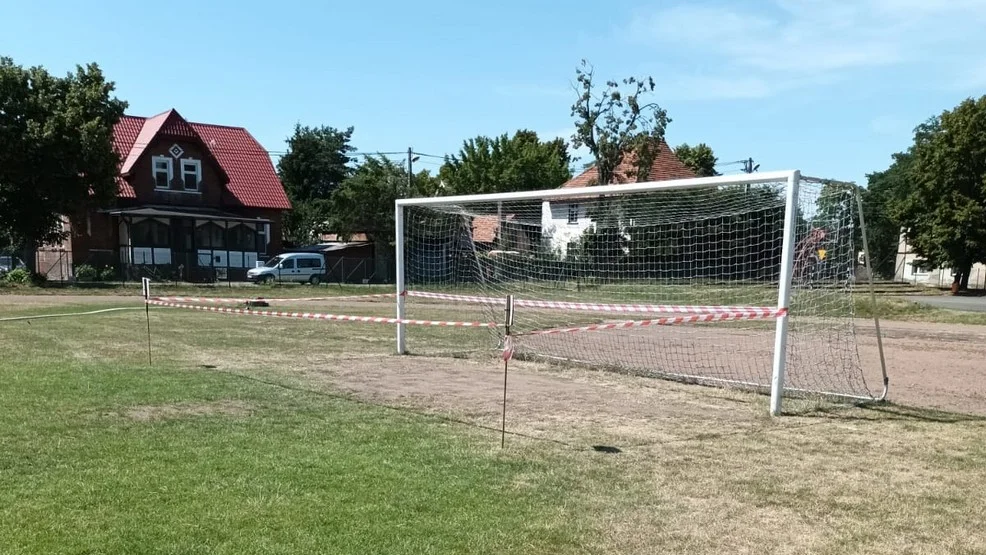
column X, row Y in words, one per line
column 231, row 442
column 211, row 290
column 287, row 471
column 903, row 309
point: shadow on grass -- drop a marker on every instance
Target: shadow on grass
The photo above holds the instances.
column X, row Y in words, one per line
column 885, row 411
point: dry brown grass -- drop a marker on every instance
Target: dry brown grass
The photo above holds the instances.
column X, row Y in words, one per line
column 698, row 471
column 173, row 411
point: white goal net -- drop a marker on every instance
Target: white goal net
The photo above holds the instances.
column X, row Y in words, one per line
column 685, row 280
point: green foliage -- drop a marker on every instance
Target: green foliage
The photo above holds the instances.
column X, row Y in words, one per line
column 631, row 238
column 364, row 203
column 107, row 273
column 85, row 272
column 18, row 276
column 699, row 158
column 945, row 210
column 882, row 199
column 306, row 221
column 506, row 164
column 316, row 164
column 614, row 124
column 57, row 156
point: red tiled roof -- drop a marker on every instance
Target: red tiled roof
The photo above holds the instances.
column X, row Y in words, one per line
column 252, row 181
column 666, row 166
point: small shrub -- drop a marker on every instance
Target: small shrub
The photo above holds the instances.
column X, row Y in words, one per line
column 19, row 276
column 108, row 273
column 85, row 272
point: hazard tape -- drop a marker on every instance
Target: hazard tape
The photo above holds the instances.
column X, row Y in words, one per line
column 675, row 320
column 602, row 307
column 231, row 300
column 319, row 316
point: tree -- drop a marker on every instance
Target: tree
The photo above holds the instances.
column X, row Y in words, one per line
column 882, row 200
column 699, row 158
column 316, row 163
column 614, row 124
column 364, row 203
column 506, row 164
column 57, row 155
column 945, row 209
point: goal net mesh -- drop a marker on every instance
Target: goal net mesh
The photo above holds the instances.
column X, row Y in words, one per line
column 675, row 283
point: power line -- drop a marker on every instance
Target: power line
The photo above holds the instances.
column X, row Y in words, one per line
column 281, row 153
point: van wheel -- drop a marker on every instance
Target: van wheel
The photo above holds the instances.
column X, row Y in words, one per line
column 314, row 280
column 268, row 280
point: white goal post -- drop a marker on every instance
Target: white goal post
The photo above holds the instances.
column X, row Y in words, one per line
column 742, row 281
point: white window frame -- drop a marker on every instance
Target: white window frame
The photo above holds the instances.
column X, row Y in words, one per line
column 198, row 173
column 154, row 171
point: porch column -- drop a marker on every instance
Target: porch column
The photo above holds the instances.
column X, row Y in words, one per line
column 130, row 241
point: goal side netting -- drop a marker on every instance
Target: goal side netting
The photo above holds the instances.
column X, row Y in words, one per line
column 679, row 279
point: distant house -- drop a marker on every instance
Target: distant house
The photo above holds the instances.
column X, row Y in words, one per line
column 911, row 268
column 563, row 221
column 194, row 200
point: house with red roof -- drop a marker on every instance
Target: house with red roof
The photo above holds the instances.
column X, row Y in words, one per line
column 195, row 201
column 563, row 221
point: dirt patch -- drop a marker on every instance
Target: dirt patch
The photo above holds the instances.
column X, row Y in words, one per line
column 938, row 366
column 152, row 413
column 544, row 402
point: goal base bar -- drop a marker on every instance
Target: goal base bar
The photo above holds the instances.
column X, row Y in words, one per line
column 691, row 379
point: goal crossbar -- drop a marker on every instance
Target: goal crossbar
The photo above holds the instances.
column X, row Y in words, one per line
column 601, row 190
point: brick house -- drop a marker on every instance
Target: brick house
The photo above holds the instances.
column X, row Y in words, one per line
column 195, row 201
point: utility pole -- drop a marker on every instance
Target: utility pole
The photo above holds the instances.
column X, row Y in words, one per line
column 410, row 161
column 749, row 168
column 748, row 165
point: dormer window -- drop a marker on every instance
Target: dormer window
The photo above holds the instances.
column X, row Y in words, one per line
column 162, row 172
column 191, row 173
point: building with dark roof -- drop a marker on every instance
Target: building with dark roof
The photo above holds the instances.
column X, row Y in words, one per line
column 195, row 200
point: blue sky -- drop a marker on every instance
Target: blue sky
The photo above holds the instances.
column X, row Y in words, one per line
column 829, row 87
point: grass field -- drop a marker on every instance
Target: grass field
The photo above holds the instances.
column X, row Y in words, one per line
column 251, row 435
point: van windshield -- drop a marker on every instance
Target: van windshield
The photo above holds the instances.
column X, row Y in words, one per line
column 273, row 262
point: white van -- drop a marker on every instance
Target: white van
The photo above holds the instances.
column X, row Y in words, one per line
column 292, row 266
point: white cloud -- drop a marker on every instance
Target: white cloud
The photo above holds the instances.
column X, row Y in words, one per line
column 788, row 40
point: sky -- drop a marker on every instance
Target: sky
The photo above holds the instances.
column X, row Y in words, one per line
column 830, row 87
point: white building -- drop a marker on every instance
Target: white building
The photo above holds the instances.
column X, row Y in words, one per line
column 563, row 221
column 911, row 268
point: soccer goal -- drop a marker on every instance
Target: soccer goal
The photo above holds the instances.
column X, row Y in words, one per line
column 734, row 281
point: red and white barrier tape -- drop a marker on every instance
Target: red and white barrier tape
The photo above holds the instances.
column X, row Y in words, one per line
column 675, row 320
column 602, row 307
column 230, row 300
column 319, row 316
